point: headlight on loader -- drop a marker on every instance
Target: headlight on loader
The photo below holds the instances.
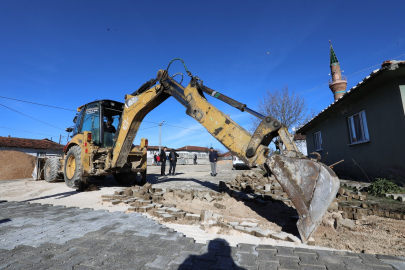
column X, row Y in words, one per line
column 129, row 102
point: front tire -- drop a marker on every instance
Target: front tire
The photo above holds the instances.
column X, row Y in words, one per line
column 73, row 168
column 51, row 170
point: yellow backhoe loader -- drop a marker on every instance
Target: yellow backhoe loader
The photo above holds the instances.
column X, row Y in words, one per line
column 310, row 184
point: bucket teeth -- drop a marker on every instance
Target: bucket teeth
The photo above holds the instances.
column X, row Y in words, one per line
column 311, row 187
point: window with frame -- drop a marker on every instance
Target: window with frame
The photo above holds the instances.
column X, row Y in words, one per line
column 358, row 128
column 318, row 141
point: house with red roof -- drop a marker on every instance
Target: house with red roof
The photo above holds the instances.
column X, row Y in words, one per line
column 34, row 147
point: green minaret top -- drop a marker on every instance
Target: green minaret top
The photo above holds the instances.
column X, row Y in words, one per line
column 333, row 58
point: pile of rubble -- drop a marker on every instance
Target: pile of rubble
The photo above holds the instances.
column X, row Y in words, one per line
column 363, row 209
column 16, row 165
column 258, row 187
column 150, row 200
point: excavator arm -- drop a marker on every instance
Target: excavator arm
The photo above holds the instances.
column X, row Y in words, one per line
column 311, row 185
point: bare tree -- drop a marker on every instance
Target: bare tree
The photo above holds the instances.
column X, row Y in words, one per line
column 285, row 105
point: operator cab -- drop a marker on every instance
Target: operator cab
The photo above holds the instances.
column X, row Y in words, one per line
column 101, row 118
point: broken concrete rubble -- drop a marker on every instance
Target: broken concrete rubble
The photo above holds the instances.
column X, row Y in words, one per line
column 167, row 212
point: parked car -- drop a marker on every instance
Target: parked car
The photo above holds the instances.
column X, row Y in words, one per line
column 238, row 164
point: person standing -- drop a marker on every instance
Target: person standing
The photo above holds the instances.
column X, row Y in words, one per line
column 195, row 159
column 213, row 156
column 155, row 159
column 163, row 162
column 172, row 159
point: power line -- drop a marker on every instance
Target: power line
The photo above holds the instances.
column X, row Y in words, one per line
column 75, row 111
column 38, row 104
column 32, row 132
column 31, row 117
column 184, row 127
column 351, row 74
column 147, row 128
column 174, row 126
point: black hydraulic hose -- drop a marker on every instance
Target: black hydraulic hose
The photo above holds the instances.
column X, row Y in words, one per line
column 145, row 87
column 222, row 97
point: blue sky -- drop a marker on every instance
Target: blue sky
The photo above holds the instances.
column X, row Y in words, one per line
column 68, row 53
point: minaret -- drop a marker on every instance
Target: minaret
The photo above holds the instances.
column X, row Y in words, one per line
column 338, row 82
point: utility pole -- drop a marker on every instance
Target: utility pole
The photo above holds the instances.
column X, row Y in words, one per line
column 160, row 134
column 60, row 138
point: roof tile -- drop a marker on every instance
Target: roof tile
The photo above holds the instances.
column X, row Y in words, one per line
column 29, row 143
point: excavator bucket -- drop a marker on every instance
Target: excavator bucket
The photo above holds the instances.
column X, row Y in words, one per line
column 310, row 185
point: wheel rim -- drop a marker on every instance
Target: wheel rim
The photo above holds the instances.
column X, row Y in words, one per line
column 70, row 166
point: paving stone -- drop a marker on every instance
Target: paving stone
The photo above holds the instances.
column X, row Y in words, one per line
column 181, row 258
column 279, row 236
column 267, row 265
column 289, row 263
column 307, row 259
column 246, row 259
column 168, row 217
column 247, row 248
column 192, row 217
column 94, row 240
column 248, row 224
column 223, row 263
column 372, row 261
column 293, row 238
column 396, row 265
column 266, row 247
column 160, row 262
column 286, row 252
column 201, row 264
column 208, row 197
column 389, row 258
column 267, row 255
column 173, row 210
column 353, row 263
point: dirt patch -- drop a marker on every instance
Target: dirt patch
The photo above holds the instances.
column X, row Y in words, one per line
column 91, row 188
column 16, row 165
column 235, row 211
column 374, row 235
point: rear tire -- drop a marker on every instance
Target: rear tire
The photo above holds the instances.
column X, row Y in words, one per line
column 73, row 168
column 51, row 170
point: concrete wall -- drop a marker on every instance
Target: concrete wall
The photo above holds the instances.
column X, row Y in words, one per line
column 384, row 155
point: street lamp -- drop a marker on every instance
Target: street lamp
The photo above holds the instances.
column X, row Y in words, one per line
column 160, row 134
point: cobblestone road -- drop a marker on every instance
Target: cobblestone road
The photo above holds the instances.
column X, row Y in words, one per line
column 36, row 236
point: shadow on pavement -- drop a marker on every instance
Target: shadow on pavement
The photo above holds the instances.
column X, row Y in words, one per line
column 218, row 256
column 4, row 220
column 59, row 195
column 274, row 211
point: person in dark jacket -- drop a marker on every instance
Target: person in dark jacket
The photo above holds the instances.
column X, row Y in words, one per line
column 172, row 159
column 195, row 159
column 163, row 161
column 213, row 155
column 155, row 159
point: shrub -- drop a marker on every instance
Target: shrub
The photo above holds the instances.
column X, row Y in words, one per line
column 381, row 186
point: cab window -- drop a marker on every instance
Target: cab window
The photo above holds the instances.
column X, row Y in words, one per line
column 111, row 120
column 91, row 122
